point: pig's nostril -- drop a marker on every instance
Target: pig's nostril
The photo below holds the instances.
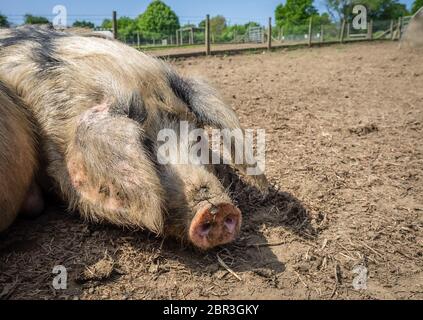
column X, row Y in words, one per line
column 205, row 229
column 230, row 224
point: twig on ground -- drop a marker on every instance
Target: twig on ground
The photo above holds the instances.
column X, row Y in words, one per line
column 336, row 281
column 224, row 265
column 266, row 244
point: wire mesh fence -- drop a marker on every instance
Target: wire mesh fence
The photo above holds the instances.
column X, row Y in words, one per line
column 192, row 31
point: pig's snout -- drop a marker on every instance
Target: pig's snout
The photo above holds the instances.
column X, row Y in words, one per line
column 215, row 224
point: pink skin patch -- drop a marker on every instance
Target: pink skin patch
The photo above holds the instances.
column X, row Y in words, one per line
column 94, row 113
column 215, row 225
column 92, row 193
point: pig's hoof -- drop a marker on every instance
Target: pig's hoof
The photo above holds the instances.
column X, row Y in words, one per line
column 214, row 225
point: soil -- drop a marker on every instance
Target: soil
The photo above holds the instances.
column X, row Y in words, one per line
column 344, row 129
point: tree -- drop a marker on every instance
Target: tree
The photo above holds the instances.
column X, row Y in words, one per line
column 251, row 24
column 158, row 20
column 106, row 24
column 294, row 12
column 83, row 24
column 416, row 6
column 217, row 26
column 280, row 15
column 387, row 9
column 338, row 9
column 323, row 19
column 127, row 27
column 30, row 19
column 376, row 9
column 3, row 21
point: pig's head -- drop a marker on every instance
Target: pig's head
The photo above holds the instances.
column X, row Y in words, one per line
column 199, row 208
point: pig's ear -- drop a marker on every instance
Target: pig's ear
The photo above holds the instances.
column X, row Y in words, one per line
column 209, row 109
column 203, row 101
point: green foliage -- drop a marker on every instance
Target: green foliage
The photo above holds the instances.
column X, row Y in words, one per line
column 231, row 32
column 3, row 21
column 217, row 24
column 383, row 9
column 416, row 6
column 251, row 24
column 294, row 13
column 158, row 20
column 338, row 9
column 127, row 27
column 30, row 19
column 218, row 27
column 376, row 9
column 221, row 32
column 323, row 19
column 106, row 24
column 83, row 24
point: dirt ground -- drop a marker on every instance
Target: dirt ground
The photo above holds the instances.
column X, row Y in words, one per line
column 196, row 49
column 220, row 48
column 344, row 129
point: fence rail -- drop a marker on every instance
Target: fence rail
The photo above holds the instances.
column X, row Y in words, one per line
column 269, row 37
column 200, row 38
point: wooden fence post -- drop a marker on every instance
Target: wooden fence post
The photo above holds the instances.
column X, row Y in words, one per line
column 269, row 35
column 114, row 25
column 341, row 38
column 207, row 35
column 191, row 36
column 399, row 27
column 138, row 39
column 321, row 33
column 370, row 30
column 348, row 30
column 177, row 38
column 391, row 30
column 310, row 26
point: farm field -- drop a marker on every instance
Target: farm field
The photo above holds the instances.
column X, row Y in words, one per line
column 344, row 132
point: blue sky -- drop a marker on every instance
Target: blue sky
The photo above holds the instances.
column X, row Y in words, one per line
column 236, row 11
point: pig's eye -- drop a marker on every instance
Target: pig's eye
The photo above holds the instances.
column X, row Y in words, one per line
column 202, row 193
column 203, row 190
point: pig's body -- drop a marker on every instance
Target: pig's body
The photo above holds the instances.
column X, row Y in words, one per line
column 99, row 105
